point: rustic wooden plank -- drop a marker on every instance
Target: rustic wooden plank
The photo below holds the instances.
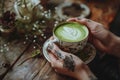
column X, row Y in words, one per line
column 47, row 73
column 33, row 69
column 20, row 70
column 10, row 52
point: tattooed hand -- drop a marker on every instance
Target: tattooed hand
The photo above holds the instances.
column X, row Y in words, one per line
column 102, row 39
column 68, row 64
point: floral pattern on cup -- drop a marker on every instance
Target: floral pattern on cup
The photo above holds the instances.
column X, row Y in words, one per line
column 72, row 47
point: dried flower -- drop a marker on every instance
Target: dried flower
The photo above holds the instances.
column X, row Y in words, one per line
column 7, row 20
column 28, row 10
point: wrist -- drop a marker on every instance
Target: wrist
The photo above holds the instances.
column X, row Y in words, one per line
column 86, row 74
column 82, row 75
column 114, row 47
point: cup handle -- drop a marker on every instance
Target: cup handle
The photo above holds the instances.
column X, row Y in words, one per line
column 53, row 41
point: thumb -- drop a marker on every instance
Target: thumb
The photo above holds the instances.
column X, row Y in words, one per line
column 99, row 45
column 55, row 63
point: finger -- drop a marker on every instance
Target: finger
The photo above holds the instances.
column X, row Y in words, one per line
column 53, row 47
column 63, row 71
column 51, row 38
column 55, row 63
column 56, row 70
column 81, row 20
column 100, row 46
column 56, row 51
column 92, row 25
column 89, row 23
column 96, row 29
column 71, row 19
column 52, row 57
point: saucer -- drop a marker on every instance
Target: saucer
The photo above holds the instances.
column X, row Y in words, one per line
column 87, row 54
column 84, row 11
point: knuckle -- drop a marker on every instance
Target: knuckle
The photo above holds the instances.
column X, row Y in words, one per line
column 99, row 25
column 84, row 19
column 56, row 70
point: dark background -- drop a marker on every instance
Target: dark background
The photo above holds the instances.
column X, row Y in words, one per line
column 107, row 68
column 115, row 25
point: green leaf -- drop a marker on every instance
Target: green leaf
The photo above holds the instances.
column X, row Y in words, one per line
column 36, row 53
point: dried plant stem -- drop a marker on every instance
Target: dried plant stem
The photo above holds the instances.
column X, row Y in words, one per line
column 2, row 6
column 25, row 60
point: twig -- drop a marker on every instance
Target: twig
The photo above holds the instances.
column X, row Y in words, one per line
column 2, row 2
column 35, row 54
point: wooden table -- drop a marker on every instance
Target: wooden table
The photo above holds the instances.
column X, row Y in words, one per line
column 38, row 68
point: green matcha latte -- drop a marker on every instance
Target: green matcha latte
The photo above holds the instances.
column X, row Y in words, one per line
column 71, row 32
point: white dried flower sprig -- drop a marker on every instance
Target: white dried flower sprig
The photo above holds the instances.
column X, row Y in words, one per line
column 28, row 10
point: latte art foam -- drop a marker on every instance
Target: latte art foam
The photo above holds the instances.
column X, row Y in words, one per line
column 71, row 32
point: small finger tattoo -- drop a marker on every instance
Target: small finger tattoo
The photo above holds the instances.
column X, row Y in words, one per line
column 50, row 46
column 88, row 20
column 69, row 63
column 58, row 53
column 78, row 18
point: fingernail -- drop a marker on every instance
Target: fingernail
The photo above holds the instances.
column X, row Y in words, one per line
column 50, row 47
column 52, row 65
column 55, row 70
column 88, row 20
column 79, row 18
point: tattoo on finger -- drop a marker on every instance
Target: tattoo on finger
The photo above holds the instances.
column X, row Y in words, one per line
column 88, row 20
column 58, row 53
column 69, row 63
column 50, row 46
column 78, row 18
